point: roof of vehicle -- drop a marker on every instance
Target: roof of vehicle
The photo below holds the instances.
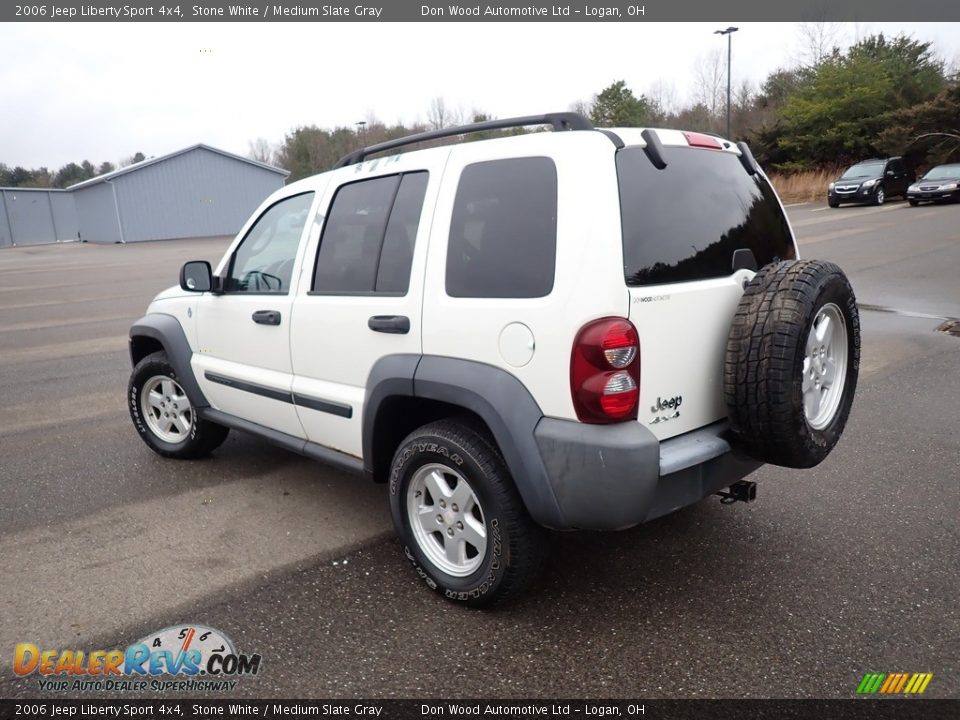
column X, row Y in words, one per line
column 560, row 122
column 565, row 124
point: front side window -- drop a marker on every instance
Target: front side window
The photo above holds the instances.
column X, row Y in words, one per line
column 263, row 263
column 503, row 232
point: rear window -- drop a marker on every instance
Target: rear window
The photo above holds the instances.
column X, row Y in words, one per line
column 685, row 222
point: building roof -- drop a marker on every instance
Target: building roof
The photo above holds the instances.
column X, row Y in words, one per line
column 153, row 161
column 31, row 189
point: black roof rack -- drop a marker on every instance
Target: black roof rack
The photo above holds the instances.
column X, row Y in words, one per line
column 559, row 121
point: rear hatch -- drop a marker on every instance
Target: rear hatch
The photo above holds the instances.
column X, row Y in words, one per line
column 682, row 225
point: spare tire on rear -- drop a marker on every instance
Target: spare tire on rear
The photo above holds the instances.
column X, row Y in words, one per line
column 792, row 361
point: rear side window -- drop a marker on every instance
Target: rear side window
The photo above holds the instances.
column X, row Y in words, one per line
column 503, row 232
column 684, row 222
column 367, row 241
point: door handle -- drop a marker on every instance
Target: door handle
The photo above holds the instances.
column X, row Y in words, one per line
column 395, row 324
column 266, row 317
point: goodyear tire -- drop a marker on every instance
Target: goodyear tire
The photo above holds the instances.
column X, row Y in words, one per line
column 459, row 517
column 792, row 361
column 163, row 415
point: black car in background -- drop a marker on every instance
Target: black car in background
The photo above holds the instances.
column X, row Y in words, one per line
column 940, row 184
column 871, row 181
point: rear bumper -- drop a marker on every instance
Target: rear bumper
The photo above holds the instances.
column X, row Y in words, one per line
column 609, row 477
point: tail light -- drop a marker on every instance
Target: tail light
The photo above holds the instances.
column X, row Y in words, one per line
column 605, row 371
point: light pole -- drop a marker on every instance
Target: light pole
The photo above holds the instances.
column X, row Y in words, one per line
column 362, row 131
column 728, row 32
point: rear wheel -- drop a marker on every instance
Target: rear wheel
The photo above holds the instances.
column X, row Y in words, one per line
column 459, row 517
column 163, row 415
column 792, row 362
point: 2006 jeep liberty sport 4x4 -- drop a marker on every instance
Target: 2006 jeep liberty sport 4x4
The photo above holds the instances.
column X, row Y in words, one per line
column 572, row 329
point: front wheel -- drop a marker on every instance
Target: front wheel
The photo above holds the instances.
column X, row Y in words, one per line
column 913, row 203
column 459, row 517
column 163, row 415
column 880, row 197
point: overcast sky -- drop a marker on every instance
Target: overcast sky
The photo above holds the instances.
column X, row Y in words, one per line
column 70, row 92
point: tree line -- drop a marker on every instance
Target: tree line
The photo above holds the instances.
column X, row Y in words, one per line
column 832, row 106
column 68, row 175
column 878, row 96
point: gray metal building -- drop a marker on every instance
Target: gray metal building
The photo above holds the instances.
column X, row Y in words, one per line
column 195, row 192
column 30, row 216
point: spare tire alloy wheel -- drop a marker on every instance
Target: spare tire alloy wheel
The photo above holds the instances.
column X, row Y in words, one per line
column 792, row 362
column 824, row 367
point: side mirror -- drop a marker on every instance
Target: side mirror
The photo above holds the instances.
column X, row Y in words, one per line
column 889, row 173
column 196, row 276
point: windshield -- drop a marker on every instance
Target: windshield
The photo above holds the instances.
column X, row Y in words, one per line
column 685, row 222
column 863, row 170
column 943, row 172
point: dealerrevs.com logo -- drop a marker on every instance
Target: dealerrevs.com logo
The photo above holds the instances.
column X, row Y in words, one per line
column 178, row 658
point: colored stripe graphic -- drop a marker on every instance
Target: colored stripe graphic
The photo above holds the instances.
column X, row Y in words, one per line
column 871, row 683
column 918, row 683
column 894, row 683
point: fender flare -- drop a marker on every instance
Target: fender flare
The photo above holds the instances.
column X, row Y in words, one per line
column 167, row 330
column 493, row 394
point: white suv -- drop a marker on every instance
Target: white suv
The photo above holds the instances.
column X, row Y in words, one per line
column 571, row 329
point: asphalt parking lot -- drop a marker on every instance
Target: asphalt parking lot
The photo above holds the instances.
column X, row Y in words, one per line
column 849, row 568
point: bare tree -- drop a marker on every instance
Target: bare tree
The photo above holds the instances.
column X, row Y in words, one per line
column 582, row 107
column 746, row 116
column 440, row 116
column 261, row 151
column 663, row 97
column 818, row 41
column 952, row 70
column 710, row 82
column 743, row 95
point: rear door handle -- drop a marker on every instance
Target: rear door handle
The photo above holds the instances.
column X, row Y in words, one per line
column 395, row 324
column 266, row 317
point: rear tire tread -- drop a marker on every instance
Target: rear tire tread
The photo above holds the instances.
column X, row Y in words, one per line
column 525, row 541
